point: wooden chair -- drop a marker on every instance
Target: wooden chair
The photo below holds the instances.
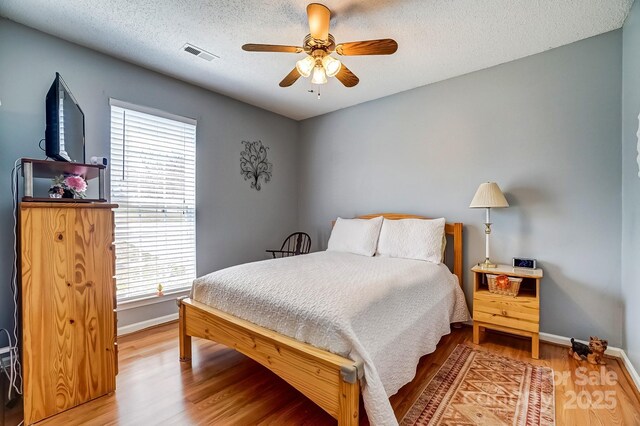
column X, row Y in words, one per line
column 294, row 245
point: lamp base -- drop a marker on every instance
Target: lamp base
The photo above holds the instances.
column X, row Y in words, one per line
column 487, row 264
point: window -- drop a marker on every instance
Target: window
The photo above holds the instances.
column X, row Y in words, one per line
column 153, row 179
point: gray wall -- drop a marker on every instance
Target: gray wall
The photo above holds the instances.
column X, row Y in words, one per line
column 631, row 184
column 234, row 223
column 546, row 128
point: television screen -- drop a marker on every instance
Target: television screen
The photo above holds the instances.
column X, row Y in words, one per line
column 64, row 133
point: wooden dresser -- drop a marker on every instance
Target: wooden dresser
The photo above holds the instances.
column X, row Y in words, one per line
column 69, row 348
column 517, row 315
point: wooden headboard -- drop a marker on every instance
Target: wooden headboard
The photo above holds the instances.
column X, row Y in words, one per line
column 453, row 230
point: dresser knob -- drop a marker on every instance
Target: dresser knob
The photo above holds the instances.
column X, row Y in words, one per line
column 504, row 312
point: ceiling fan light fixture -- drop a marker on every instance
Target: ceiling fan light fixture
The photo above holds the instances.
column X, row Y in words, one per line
column 305, row 65
column 319, row 75
column 331, row 65
column 318, row 45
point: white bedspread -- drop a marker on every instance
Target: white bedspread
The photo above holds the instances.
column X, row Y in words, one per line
column 386, row 312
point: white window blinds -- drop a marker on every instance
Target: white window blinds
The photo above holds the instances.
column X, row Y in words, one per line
column 153, row 174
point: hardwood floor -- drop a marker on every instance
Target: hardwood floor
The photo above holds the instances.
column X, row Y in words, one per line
column 223, row 387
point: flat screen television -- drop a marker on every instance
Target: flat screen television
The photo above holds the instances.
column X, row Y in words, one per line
column 64, row 131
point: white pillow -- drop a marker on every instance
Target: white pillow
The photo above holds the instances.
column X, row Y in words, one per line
column 358, row 236
column 419, row 239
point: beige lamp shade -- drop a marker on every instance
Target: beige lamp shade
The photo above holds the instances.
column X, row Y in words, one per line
column 488, row 195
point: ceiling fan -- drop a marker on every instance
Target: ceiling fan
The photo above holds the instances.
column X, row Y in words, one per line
column 318, row 45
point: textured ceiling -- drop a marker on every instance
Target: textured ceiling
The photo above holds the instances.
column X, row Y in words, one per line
column 438, row 39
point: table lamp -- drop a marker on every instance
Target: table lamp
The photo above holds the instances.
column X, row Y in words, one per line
column 488, row 196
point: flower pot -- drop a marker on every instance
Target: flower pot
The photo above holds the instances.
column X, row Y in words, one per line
column 67, row 194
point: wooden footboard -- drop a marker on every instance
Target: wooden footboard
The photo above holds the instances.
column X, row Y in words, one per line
column 329, row 380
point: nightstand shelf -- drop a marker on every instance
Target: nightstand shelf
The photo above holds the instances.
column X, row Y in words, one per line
column 517, row 315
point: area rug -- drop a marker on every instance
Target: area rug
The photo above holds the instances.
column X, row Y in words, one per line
column 476, row 387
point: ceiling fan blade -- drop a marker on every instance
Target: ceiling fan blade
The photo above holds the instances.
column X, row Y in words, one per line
column 385, row 46
column 346, row 77
column 291, row 78
column 319, row 17
column 252, row 47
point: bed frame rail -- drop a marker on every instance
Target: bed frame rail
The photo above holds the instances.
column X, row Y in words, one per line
column 329, row 380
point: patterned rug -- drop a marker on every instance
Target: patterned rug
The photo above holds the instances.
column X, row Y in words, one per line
column 479, row 388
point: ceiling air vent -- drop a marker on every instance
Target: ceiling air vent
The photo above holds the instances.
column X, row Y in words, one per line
column 200, row 53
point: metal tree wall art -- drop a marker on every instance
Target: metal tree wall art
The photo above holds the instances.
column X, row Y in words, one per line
column 254, row 164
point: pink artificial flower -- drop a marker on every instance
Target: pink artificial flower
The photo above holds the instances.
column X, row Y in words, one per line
column 76, row 183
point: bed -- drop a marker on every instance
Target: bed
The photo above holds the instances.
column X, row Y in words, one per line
column 331, row 321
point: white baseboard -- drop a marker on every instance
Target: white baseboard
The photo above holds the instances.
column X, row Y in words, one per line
column 630, row 369
column 132, row 328
column 566, row 341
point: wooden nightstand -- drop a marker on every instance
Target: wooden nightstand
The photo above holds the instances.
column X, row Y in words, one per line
column 517, row 315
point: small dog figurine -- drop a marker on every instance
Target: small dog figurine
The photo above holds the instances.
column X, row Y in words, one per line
column 593, row 354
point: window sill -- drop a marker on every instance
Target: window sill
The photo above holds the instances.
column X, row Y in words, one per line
column 150, row 300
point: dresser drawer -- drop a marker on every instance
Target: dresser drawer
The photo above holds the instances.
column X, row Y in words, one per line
column 523, row 309
column 506, row 321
